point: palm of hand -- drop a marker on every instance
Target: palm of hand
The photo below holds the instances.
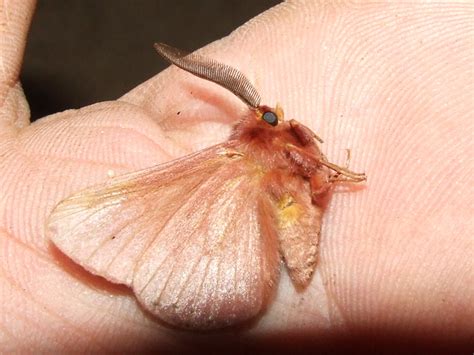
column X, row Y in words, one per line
column 393, row 256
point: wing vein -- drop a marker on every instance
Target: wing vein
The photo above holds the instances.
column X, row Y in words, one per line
column 191, row 195
column 144, row 225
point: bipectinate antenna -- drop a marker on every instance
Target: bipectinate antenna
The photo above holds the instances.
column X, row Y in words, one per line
column 209, row 69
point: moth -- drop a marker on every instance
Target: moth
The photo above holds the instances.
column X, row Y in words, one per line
column 200, row 239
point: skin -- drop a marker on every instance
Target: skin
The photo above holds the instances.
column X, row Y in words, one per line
column 391, row 82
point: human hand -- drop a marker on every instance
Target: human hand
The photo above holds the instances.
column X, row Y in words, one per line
column 390, row 82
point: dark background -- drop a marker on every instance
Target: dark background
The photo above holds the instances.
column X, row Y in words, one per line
column 84, row 51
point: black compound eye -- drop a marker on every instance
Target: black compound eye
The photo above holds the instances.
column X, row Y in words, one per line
column 270, row 117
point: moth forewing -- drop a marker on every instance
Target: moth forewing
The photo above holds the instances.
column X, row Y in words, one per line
column 107, row 227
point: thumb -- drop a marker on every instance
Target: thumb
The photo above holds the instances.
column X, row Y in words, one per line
column 15, row 17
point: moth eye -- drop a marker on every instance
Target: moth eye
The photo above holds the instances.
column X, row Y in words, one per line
column 270, row 117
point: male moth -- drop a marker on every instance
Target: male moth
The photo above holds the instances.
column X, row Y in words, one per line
column 200, row 239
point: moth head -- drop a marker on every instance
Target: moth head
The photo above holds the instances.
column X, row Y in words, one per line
column 271, row 116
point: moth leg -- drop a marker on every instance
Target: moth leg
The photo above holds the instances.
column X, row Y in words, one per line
column 338, row 177
column 307, row 162
column 320, row 184
column 304, row 134
column 319, row 178
column 343, row 173
column 311, row 163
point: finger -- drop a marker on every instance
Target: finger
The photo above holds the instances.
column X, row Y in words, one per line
column 393, row 84
column 324, row 80
column 15, row 17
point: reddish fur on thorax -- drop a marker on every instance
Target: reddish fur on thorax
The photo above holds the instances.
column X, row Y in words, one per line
column 288, row 147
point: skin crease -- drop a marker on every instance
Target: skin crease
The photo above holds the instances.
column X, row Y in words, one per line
column 392, row 82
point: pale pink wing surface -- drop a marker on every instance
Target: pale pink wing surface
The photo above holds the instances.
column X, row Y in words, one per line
column 189, row 237
column 215, row 262
column 298, row 224
column 105, row 228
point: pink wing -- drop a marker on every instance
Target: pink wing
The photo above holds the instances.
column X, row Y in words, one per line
column 298, row 223
column 193, row 238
